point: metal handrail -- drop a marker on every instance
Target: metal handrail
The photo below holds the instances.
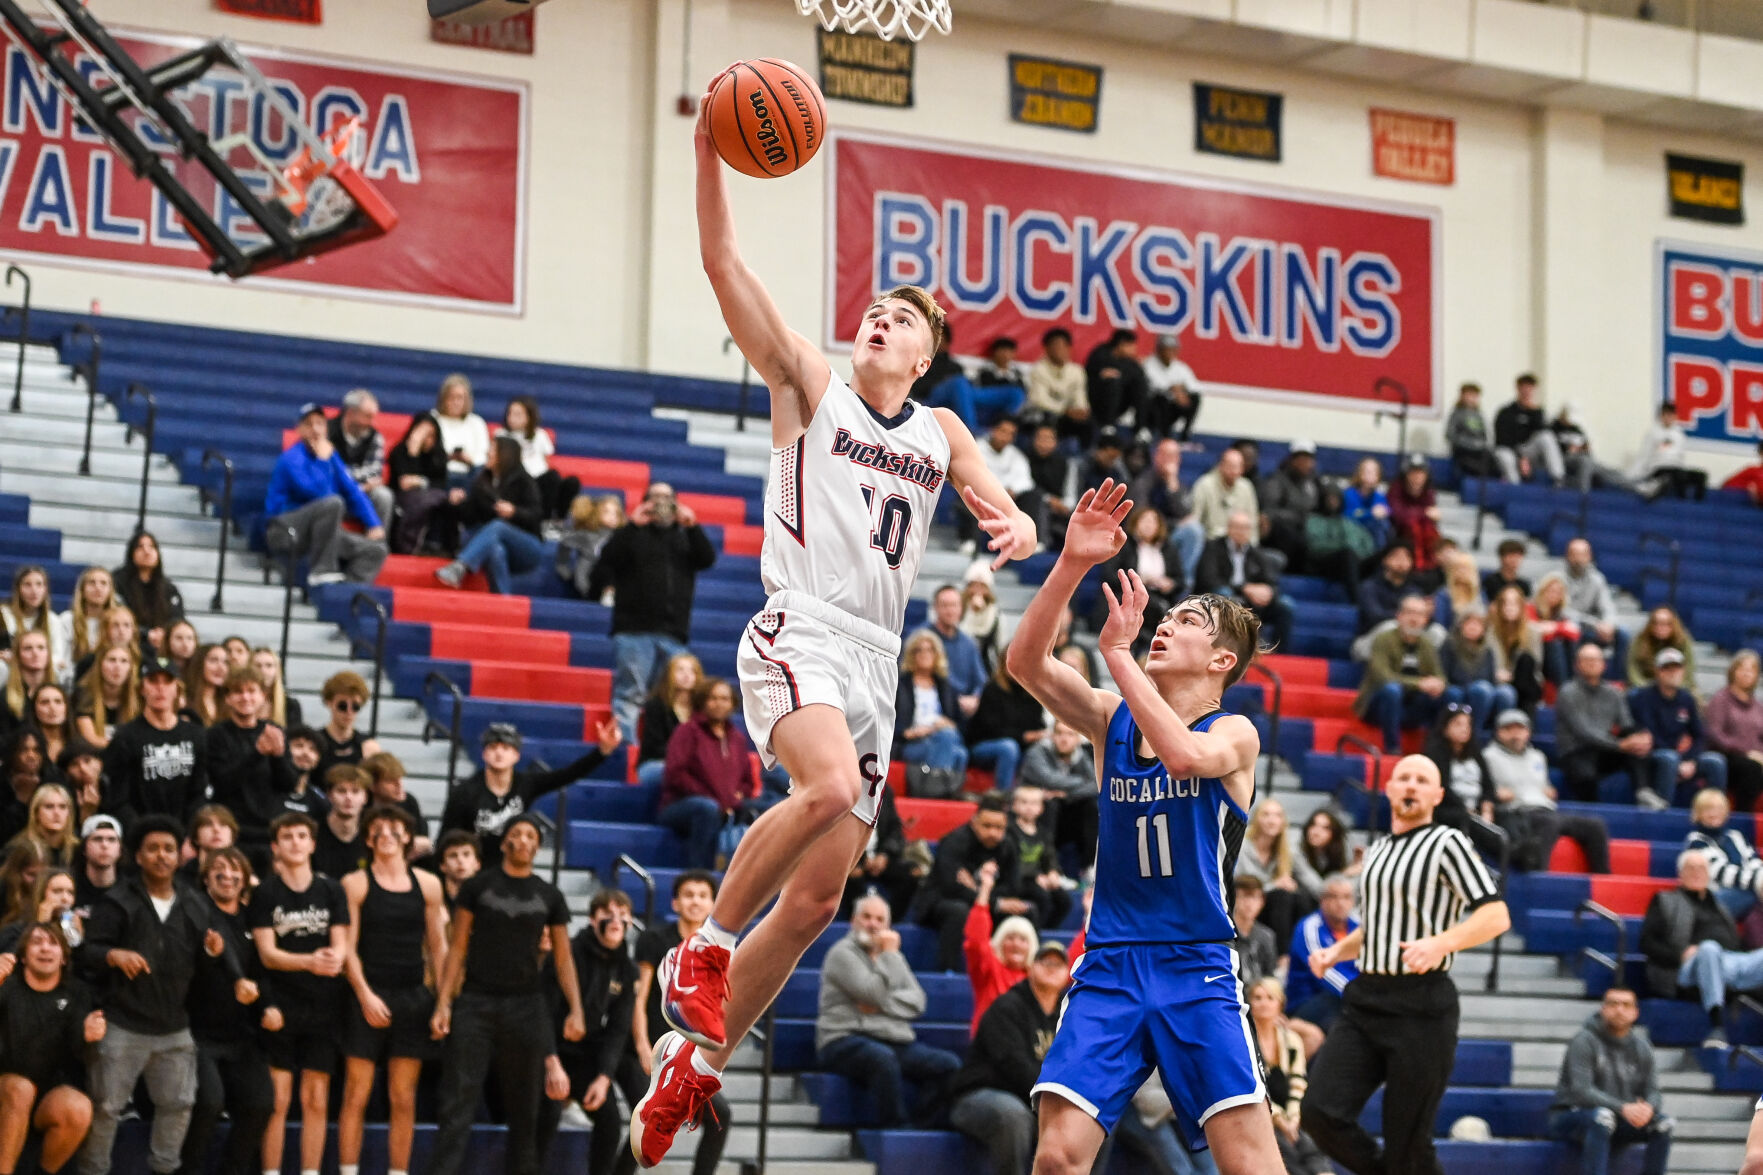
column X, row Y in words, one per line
column 430, row 725
column 141, row 391
column 625, row 861
column 24, row 335
column 1675, row 549
column 765, row 1070
column 288, row 561
column 91, row 371
column 1481, row 508
column 1581, row 517
column 226, row 519
column 1601, row 911
column 1375, row 789
column 1385, row 383
column 382, row 618
column 1278, row 683
column 559, row 825
column 746, row 385
column 1505, row 866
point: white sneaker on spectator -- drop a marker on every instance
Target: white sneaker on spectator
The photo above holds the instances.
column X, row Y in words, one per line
column 323, row 578
column 1647, row 798
column 453, row 574
column 574, row 1117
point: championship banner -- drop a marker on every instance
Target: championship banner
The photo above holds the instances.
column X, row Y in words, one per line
column 1046, row 92
column 298, row 11
column 860, row 68
column 1244, row 123
column 511, row 34
column 1415, row 147
column 1710, row 304
column 448, row 151
column 1705, row 189
column 1276, row 293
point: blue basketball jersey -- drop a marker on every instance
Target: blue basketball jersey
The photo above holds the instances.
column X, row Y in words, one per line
column 1166, row 848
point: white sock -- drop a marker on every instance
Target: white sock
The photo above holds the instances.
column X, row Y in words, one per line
column 716, row 934
column 349, row 1168
column 700, row 1065
column 397, row 1171
column 309, row 1171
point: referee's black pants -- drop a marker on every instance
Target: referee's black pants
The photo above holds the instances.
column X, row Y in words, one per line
column 1400, row 1032
column 513, row 1034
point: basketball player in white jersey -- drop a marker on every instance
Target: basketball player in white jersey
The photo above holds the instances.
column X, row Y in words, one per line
column 855, row 474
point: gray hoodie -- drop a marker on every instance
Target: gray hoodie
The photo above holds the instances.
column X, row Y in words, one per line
column 1601, row 1070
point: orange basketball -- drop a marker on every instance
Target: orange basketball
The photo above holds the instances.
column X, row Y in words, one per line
column 767, row 118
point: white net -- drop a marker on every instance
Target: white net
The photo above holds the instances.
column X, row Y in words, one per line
column 887, row 19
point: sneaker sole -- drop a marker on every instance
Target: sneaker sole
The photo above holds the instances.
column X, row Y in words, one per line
column 665, row 1051
column 669, row 1010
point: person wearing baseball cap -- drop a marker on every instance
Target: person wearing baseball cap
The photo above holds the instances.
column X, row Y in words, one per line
column 310, row 491
column 1520, row 777
column 990, row 1094
column 491, row 797
column 100, row 849
column 1174, row 391
column 157, row 762
column 1681, row 760
column 1289, row 497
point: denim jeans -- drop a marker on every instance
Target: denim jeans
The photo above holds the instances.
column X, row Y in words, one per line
column 977, row 406
column 1190, row 540
column 1485, row 698
column 1001, row 755
column 502, row 550
column 1710, row 768
column 697, row 821
column 882, row 1068
column 939, row 748
column 651, row 772
column 1713, row 969
column 637, row 658
column 1002, row 1123
column 168, row 1063
column 1394, row 707
column 1597, row 1131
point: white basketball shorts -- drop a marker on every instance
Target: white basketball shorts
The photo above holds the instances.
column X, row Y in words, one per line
column 800, row 652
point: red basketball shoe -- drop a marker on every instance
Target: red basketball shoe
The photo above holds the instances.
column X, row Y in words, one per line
column 677, row 1094
column 694, row 986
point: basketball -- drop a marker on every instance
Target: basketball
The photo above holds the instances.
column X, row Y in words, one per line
column 767, row 118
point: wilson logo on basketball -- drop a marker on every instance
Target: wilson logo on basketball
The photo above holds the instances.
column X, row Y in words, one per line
column 766, row 135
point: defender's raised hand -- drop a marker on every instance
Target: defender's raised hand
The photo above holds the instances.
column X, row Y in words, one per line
column 1093, row 535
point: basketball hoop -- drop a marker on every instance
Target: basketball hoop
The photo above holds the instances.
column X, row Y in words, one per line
column 887, row 19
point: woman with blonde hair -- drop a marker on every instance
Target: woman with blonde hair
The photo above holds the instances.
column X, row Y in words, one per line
column 1664, row 630
column 52, row 717
column 49, row 822
column 465, row 438
column 27, row 610
column 669, row 705
column 927, row 730
column 1461, row 592
column 1555, row 625
column 108, row 695
column 1512, row 633
column 31, row 668
column 1734, row 724
column 278, row 707
column 204, row 680
column 1283, row 1057
column 591, row 523
column 1292, row 885
column 82, row 624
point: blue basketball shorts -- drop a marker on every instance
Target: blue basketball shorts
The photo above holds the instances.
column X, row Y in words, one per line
column 1176, row 1009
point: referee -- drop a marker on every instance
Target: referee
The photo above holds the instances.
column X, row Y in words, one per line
column 1425, row 895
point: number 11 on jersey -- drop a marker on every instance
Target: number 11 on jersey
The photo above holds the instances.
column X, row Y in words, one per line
column 1160, row 822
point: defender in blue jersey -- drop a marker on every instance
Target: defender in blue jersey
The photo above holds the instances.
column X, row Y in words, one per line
column 1157, row 987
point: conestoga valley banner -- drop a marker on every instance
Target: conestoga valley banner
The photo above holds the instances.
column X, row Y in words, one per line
column 448, row 151
column 1274, row 292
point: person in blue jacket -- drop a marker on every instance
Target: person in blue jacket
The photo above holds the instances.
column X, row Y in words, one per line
column 310, row 491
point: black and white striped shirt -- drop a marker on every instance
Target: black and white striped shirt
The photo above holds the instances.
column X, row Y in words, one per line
column 1419, row 883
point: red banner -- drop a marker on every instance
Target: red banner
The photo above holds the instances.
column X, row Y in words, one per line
column 511, row 34
column 448, row 152
column 1274, row 292
column 1414, row 147
column 298, row 11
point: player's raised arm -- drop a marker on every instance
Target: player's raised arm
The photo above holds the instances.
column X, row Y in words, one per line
column 791, row 366
column 1092, row 536
column 1228, row 747
column 1012, row 532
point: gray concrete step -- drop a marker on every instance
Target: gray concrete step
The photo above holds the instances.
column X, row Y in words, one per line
column 105, row 493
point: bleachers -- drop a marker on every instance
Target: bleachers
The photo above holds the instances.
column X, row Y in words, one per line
column 542, row 659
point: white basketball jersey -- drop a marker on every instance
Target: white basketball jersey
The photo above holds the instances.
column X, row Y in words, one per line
column 848, row 506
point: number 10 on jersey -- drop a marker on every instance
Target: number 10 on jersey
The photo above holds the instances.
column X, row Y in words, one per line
column 890, row 520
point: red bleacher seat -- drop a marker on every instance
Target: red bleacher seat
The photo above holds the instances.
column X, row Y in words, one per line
column 932, row 819
column 517, row 682
column 1295, row 670
column 534, row 646
column 446, row 606
column 418, row 571
column 1628, row 895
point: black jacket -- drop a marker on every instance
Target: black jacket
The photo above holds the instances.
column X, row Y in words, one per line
column 1515, row 424
column 216, row 1015
column 246, row 780
column 1439, row 752
column 155, row 605
column 1004, row 711
column 1676, row 921
column 655, row 725
column 1213, row 573
column 653, row 571
column 959, row 850
column 608, row 983
column 905, row 702
column 432, row 465
column 474, row 807
column 516, row 488
column 153, row 771
column 1009, row 1046
column 155, row 1002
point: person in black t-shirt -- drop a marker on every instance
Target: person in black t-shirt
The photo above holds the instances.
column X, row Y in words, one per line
column 300, row 922
column 308, row 793
column 157, row 764
column 226, row 1011
column 100, row 849
column 341, row 848
column 694, row 894
column 46, row 1020
column 344, row 694
column 459, row 863
column 498, row 792
column 385, row 773
column 248, row 769
column 394, row 912
column 500, row 1016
